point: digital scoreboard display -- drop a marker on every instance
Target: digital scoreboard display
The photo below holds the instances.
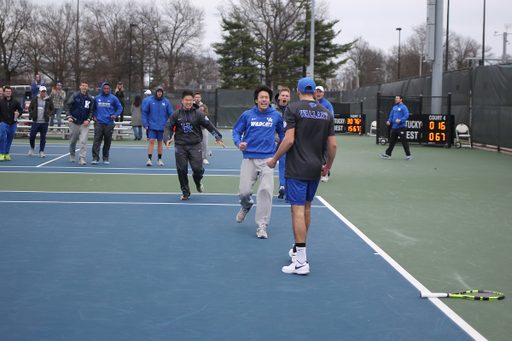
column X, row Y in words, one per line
column 351, row 123
column 430, row 129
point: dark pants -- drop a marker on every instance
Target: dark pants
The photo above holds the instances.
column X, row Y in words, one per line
column 102, row 132
column 184, row 155
column 42, row 129
column 393, row 137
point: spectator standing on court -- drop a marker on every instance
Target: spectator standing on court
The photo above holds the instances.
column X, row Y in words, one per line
column 155, row 113
column 204, row 144
column 136, row 121
column 58, row 97
column 120, row 96
column 106, row 109
column 10, row 110
column 282, row 102
column 309, row 132
column 40, row 109
column 188, row 121
column 38, row 82
column 397, row 119
column 254, row 134
column 147, row 93
column 79, row 111
column 319, row 95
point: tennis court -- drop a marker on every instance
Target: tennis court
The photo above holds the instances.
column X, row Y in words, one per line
column 109, row 252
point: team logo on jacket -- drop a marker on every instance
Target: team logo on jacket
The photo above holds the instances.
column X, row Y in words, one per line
column 187, row 128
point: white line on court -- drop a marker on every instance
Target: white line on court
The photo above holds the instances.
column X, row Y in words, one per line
column 436, row 301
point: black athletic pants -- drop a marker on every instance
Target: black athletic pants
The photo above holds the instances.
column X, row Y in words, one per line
column 393, row 137
column 184, row 155
column 102, row 132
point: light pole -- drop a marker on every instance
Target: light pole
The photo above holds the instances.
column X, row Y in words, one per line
column 130, row 70
column 399, row 29
column 483, row 39
column 311, row 69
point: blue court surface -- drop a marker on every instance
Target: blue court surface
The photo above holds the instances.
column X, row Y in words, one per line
column 117, row 266
column 124, row 159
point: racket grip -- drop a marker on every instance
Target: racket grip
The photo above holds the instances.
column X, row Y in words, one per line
column 433, row 295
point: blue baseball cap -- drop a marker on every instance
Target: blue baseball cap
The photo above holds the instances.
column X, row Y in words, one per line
column 59, row 83
column 306, row 85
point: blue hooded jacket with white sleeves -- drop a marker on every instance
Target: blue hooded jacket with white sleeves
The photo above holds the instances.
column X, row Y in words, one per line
column 105, row 106
column 258, row 130
column 156, row 112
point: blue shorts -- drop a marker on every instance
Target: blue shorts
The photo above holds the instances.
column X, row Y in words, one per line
column 300, row 191
column 156, row 134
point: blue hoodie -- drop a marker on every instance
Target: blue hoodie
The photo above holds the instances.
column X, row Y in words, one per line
column 258, row 130
column 401, row 112
column 327, row 104
column 106, row 106
column 156, row 112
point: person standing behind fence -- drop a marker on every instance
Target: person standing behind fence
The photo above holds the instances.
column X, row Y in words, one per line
column 397, row 119
column 155, row 113
column 38, row 82
column 106, row 109
column 58, row 97
column 79, row 110
column 204, row 143
column 40, row 109
column 309, row 132
column 136, row 121
column 254, row 134
column 282, row 102
column 10, row 110
column 120, row 96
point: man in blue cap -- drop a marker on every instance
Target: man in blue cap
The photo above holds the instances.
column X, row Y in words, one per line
column 309, row 131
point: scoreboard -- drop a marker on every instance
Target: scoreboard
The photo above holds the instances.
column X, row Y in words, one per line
column 349, row 123
column 430, row 129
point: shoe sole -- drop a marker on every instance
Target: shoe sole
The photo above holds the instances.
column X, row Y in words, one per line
column 304, row 272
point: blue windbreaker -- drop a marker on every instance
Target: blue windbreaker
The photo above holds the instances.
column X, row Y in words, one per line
column 401, row 112
column 258, row 130
column 105, row 106
column 156, row 112
column 327, row 104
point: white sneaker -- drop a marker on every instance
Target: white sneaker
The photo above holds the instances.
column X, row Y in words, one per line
column 261, row 232
column 325, row 178
column 41, row 154
column 206, row 162
column 149, row 163
column 160, row 162
column 296, row 268
column 242, row 214
column 72, row 158
column 31, row 152
column 81, row 161
column 293, row 255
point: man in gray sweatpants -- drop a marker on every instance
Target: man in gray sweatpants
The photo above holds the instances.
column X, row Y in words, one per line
column 254, row 135
column 79, row 112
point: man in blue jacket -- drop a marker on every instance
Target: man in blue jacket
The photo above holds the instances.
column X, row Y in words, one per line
column 79, row 113
column 397, row 118
column 156, row 110
column 106, row 109
column 254, row 134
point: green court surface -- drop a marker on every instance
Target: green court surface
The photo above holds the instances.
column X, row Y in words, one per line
column 445, row 216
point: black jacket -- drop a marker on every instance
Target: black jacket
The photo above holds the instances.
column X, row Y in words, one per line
column 188, row 127
column 7, row 109
column 49, row 109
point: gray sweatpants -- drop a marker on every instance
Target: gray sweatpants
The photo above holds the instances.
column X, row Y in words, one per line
column 78, row 131
column 204, row 143
column 250, row 171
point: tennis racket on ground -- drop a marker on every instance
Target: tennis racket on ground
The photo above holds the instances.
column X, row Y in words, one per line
column 478, row 295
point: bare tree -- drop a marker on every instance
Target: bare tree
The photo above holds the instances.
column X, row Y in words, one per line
column 367, row 65
column 179, row 28
column 14, row 20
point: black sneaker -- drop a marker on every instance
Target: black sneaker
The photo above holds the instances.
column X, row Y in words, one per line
column 200, row 188
column 281, row 193
column 185, row 197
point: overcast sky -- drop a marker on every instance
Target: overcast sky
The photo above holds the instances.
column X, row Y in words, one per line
column 376, row 20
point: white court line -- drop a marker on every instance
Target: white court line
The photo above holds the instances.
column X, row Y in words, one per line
column 437, row 302
column 60, row 157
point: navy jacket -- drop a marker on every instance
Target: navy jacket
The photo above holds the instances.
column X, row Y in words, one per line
column 80, row 107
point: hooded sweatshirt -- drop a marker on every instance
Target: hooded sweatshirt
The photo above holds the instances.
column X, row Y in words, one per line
column 258, row 130
column 105, row 106
column 156, row 112
column 400, row 112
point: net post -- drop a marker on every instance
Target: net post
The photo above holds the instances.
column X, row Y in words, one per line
column 378, row 118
